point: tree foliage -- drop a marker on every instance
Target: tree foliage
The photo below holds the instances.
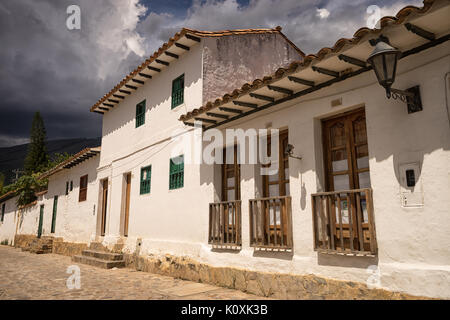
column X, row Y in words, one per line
column 37, row 157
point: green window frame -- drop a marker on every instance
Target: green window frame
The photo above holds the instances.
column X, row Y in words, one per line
column 176, row 175
column 140, row 114
column 178, row 91
column 3, row 211
column 146, row 177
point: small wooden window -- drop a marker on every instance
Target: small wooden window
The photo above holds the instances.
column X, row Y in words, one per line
column 83, row 188
column 140, row 114
column 146, row 175
column 71, row 185
column 3, row 211
column 67, row 188
column 176, row 178
column 178, row 91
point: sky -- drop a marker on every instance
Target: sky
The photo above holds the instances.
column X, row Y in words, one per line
column 46, row 67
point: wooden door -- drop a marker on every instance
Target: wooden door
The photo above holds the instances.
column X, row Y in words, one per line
column 55, row 206
column 231, row 175
column 41, row 220
column 104, row 207
column 346, row 156
column 127, row 204
column 275, row 187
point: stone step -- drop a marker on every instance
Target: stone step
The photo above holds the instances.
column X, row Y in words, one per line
column 99, row 262
column 103, row 255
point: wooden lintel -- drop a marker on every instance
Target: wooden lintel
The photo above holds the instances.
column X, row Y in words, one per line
column 217, row 115
column 118, row 96
column 193, row 38
column 206, row 120
column 131, row 87
column 125, row 91
column 246, row 104
column 420, row 32
column 280, row 89
column 170, row 54
column 301, row 81
column 144, row 75
column 231, row 110
column 154, row 69
column 326, row 71
column 138, row 81
column 262, row 97
column 182, row 46
column 352, row 60
column 162, row 62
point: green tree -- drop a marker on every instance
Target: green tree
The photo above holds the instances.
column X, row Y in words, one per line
column 2, row 182
column 37, row 157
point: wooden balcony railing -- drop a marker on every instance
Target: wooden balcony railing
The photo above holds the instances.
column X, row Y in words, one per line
column 271, row 223
column 343, row 222
column 225, row 223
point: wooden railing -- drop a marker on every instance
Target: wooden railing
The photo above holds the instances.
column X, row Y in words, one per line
column 343, row 222
column 225, row 223
column 271, row 223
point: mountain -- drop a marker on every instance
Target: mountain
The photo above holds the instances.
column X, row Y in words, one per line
column 12, row 158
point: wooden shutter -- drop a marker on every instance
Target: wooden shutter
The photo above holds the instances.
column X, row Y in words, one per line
column 83, row 188
column 176, row 178
column 140, row 114
column 146, row 174
column 178, row 91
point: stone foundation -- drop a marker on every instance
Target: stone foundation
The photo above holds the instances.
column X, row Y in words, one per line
column 272, row 285
column 68, row 248
column 23, row 240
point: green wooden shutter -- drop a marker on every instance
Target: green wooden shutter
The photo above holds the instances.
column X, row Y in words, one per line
column 176, row 178
column 55, row 206
column 146, row 175
column 178, row 91
column 140, row 114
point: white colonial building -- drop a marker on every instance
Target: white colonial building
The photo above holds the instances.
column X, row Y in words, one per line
column 362, row 190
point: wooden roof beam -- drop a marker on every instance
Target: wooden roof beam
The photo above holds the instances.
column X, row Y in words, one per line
column 170, row 54
column 108, row 105
column 353, row 61
column 103, row 108
column 131, row 87
column 262, row 97
column 302, row 81
column 165, row 63
column 113, row 101
column 138, row 81
column 125, row 91
column 245, row 104
column 96, row 111
column 206, row 120
column 217, row 115
column 154, row 69
column 420, row 32
column 118, row 96
column 231, row 110
column 182, row 46
column 193, row 38
column 280, row 89
column 144, row 75
column 330, row 73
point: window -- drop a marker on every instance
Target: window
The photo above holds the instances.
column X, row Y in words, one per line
column 140, row 114
column 178, row 91
column 67, row 188
column 146, row 175
column 83, row 188
column 71, row 185
column 176, row 178
column 3, row 211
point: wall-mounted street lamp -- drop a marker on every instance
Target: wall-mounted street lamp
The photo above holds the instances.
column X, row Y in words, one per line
column 384, row 62
column 290, row 152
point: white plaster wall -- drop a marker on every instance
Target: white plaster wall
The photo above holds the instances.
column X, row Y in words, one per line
column 414, row 254
column 75, row 221
column 8, row 226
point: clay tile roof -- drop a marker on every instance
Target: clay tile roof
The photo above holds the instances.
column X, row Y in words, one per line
column 399, row 18
column 178, row 36
column 80, row 156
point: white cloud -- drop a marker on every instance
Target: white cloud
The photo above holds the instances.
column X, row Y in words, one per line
column 323, row 13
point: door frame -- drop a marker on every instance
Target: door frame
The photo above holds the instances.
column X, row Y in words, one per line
column 104, row 208
column 126, row 202
column 55, row 208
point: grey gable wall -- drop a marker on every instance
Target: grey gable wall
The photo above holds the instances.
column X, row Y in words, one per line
column 231, row 61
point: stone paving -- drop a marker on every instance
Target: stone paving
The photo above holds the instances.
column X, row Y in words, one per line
column 44, row 277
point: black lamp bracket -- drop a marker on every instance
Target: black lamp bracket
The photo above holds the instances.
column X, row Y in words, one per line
column 410, row 96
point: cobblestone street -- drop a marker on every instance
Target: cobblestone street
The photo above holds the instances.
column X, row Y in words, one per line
column 29, row 276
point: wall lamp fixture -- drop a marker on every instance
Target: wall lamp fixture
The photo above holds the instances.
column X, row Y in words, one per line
column 289, row 152
column 383, row 60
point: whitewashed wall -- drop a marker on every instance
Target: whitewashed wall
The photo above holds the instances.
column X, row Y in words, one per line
column 8, row 226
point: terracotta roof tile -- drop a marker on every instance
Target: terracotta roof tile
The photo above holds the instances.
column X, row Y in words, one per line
column 307, row 60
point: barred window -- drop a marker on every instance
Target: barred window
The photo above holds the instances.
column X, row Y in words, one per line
column 178, row 91
column 176, row 179
column 146, row 175
column 140, row 114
